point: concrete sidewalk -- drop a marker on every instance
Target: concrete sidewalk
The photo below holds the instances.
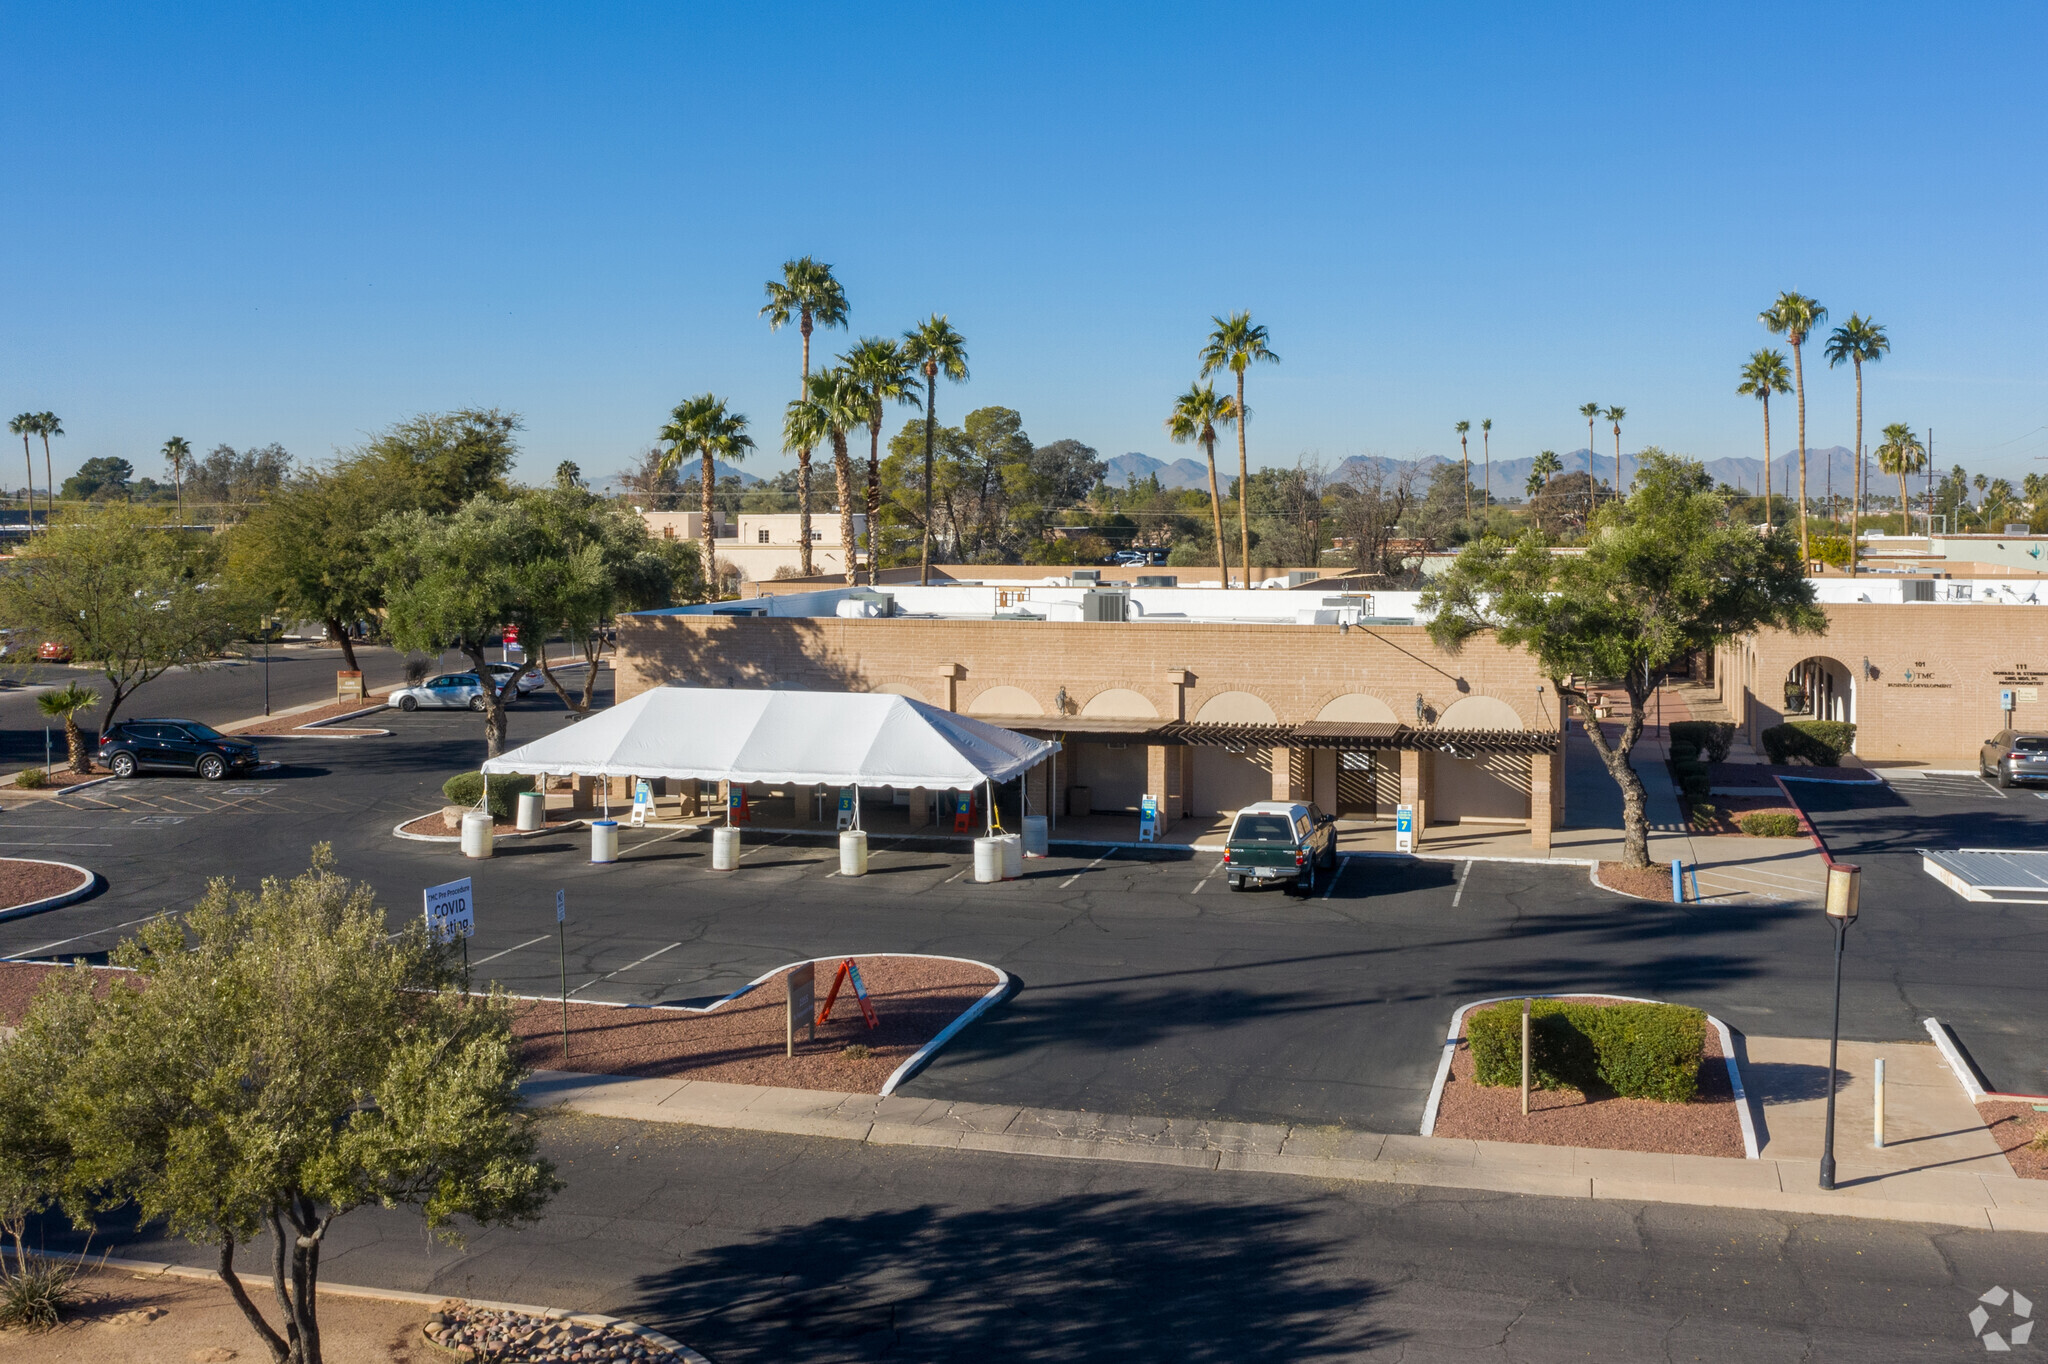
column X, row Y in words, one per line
column 1971, row 1194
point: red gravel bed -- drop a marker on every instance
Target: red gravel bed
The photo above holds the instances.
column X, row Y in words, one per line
column 1708, row 1126
column 1643, row 883
column 741, row 1041
column 19, row 980
column 24, row 883
column 2014, row 1126
column 438, row 827
column 1728, row 809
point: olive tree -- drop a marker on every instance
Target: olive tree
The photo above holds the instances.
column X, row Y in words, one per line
column 1664, row 574
column 276, row 1059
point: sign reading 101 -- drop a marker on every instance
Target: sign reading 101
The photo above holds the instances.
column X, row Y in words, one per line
column 451, row 911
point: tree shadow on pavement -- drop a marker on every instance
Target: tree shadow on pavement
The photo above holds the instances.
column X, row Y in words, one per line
column 1093, row 1276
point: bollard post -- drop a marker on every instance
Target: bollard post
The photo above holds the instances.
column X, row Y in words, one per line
column 1677, row 882
column 1525, row 1058
column 1879, row 1099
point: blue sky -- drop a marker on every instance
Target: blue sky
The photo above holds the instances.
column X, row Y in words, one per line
column 302, row 223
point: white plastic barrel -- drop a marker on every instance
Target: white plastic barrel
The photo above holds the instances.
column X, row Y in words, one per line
column 853, row 852
column 604, row 840
column 988, row 859
column 476, row 834
column 533, row 812
column 725, row 849
column 1013, row 856
column 1035, row 835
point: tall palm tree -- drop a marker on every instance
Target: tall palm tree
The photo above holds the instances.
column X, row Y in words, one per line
column 1615, row 415
column 885, row 375
column 704, row 424
column 1793, row 316
column 64, row 704
column 1902, row 455
column 935, row 348
column 1194, row 417
column 1486, row 445
column 1235, row 344
column 1591, row 412
column 832, row 405
column 47, row 426
column 1764, row 375
column 1543, row 468
column 1465, row 461
column 808, row 291
column 25, row 426
column 177, row 452
column 1858, row 341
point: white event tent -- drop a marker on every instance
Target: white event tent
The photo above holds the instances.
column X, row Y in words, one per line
column 795, row 738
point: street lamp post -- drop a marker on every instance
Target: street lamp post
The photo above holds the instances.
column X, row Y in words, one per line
column 1844, row 883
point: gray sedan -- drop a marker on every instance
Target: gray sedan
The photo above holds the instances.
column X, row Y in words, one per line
column 2014, row 756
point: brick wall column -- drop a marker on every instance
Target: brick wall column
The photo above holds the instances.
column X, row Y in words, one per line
column 1541, row 808
column 1158, row 782
column 1280, row 765
column 1187, row 781
column 1416, row 773
column 1291, row 769
column 950, row 675
column 583, row 793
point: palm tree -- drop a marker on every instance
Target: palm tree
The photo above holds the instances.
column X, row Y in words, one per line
column 935, row 348
column 1995, row 498
column 47, row 426
column 25, row 426
column 705, row 425
column 885, row 375
column 1591, row 412
column 1542, row 469
column 1859, row 340
column 1793, row 316
column 1902, row 455
column 178, row 450
column 64, row 704
column 1486, row 446
column 831, row 406
column 1615, row 415
column 1194, row 417
column 1465, row 459
column 1764, row 375
column 1234, row 344
column 808, row 290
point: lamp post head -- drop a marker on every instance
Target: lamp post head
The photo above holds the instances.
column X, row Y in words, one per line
column 1844, row 886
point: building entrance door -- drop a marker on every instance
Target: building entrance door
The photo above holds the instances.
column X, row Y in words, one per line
column 1355, row 784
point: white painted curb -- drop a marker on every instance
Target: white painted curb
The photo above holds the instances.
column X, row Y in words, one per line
column 399, row 831
column 1954, row 1059
column 77, row 893
column 1443, row 1068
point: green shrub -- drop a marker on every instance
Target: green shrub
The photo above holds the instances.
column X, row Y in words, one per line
column 31, row 779
column 1832, row 549
column 1696, row 785
column 1639, row 1051
column 1710, row 737
column 1769, row 824
column 468, row 789
column 1819, row 742
column 1684, row 752
column 1704, row 816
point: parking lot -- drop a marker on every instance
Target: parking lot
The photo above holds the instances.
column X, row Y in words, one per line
column 1145, row 985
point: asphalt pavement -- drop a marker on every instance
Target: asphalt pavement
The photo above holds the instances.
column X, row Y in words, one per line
column 753, row 1247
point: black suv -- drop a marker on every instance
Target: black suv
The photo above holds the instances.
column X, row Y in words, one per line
column 181, row 745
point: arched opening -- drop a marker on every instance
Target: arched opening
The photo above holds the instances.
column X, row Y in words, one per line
column 1231, row 778
column 1120, row 703
column 1488, row 788
column 1820, row 688
column 1005, row 701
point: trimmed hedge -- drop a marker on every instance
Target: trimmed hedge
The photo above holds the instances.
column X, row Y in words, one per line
column 468, row 789
column 1710, row 737
column 1819, row 742
column 1639, row 1051
column 1769, row 824
column 1633, row 1049
column 1696, row 785
column 1684, row 752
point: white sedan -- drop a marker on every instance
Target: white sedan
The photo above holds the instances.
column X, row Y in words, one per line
column 528, row 684
column 449, row 691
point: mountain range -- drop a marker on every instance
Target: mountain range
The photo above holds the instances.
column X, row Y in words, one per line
column 1510, row 476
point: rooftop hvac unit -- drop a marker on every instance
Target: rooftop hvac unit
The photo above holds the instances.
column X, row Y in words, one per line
column 1301, row 577
column 1102, row 604
column 1916, row 589
column 1158, row 580
column 1085, row 575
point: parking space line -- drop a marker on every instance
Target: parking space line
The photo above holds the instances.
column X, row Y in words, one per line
column 1210, row 877
column 627, row 967
column 508, row 951
column 1461, row 883
column 1344, row 863
column 83, row 936
column 1090, row 867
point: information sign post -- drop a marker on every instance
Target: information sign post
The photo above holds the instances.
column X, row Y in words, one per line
column 801, row 985
column 1148, row 819
column 562, row 947
column 1404, row 828
column 643, row 802
column 451, row 914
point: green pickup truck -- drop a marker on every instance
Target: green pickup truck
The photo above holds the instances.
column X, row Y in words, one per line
column 1278, row 840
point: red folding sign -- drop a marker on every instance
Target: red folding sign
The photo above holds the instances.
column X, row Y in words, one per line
column 848, row 971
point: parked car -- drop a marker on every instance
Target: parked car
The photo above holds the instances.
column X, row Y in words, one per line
column 2014, row 756
column 54, row 651
column 528, row 684
column 177, row 745
column 1278, row 840
column 449, row 691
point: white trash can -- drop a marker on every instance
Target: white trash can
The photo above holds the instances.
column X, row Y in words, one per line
column 1036, row 839
column 988, row 860
column 604, row 840
column 1013, row 856
column 725, row 849
column 853, row 852
column 533, row 812
column 476, row 834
